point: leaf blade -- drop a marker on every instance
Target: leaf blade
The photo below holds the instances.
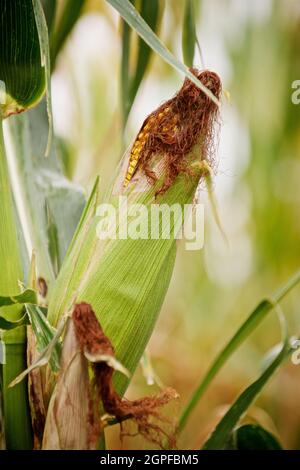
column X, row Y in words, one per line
column 134, row 19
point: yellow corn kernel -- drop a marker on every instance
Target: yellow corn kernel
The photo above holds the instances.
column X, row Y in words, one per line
column 131, row 169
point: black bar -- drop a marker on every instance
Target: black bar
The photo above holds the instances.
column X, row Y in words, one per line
column 134, row 459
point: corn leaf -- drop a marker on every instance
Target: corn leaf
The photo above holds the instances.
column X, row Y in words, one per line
column 68, row 17
column 44, row 333
column 49, row 7
column 28, row 295
column 252, row 321
column 253, row 437
column 51, row 205
column 188, row 34
column 22, row 75
column 67, row 417
column 221, row 434
column 10, row 325
column 48, row 343
column 151, row 12
column 42, row 29
column 134, row 19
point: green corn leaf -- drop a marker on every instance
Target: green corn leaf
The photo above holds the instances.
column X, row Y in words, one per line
column 18, row 432
column 134, row 19
column 189, row 37
column 86, row 219
column 53, row 239
column 125, row 278
column 10, row 325
column 22, row 75
column 252, row 321
column 253, row 437
column 44, row 333
column 222, row 433
column 213, row 202
column 11, row 270
column 51, row 205
column 125, row 77
column 42, row 29
column 151, row 12
column 48, row 343
column 68, row 17
column 49, row 7
column 28, row 295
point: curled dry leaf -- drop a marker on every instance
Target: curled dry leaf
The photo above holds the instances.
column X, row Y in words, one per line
column 74, row 415
column 35, row 392
column 67, row 418
column 144, row 411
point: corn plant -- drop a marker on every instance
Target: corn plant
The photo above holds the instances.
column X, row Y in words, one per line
column 77, row 310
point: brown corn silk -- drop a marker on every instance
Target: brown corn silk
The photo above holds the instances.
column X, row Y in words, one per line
column 144, row 411
column 174, row 128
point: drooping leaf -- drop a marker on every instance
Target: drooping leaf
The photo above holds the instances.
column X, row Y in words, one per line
column 27, row 296
column 10, row 325
column 134, row 19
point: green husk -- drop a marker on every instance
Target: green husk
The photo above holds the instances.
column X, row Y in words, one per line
column 125, row 281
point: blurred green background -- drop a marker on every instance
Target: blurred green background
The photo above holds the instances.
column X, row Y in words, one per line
column 254, row 47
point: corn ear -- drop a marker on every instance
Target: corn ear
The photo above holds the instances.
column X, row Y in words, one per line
column 125, row 280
